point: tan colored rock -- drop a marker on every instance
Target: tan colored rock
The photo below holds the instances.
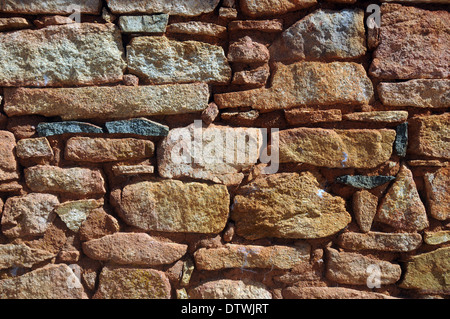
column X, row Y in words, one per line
column 19, row 255
column 269, row 26
column 130, row 170
column 215, row 153
column 28, row 215
column 438, row 193
column 74, row 181
column 98, row 224
column 13, row 23
column 288, row 205
column 132, row 283
column 98, row 150
column 402, row 207
column 426, row 93
column 336, row 148
column 107, row 102
column 185, row 8
column 198, row 28
column 255, row 77
column 8, row 164
column 251, row 256
column 353, row 269
column 307, row 116
column 74, row 213
column 258, row 8
column 418, row 36
column 137, row 249
column 329, row 293
column 51, row 6
column 437, row 238
column 82, row 43
column 377, row 116
column 191, row 207
column 34, row 148
column 395, row 242
column 51, row 282
column 428, row 272
column 306, row 84
column 245, row 50
column 229, row 289
column 365, row 208
column 45, row 21
column 159, row 60
column 428, row 135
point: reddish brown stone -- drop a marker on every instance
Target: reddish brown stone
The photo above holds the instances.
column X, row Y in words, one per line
column 258, row 8
column 307, row 116
column 364, row 207
column 8, row 164
column 275, row 25
column 438, row 193
column 97, row 225
column 248, row 51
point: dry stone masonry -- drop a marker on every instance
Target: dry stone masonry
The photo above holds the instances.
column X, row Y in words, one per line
column 265, row 149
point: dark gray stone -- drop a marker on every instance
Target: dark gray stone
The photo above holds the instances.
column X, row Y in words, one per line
column 401, row 140
column 365, row 182
column 138, row 126
column 68, row 127
column 156, row 23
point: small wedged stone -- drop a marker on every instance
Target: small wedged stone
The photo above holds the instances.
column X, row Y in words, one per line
column 187, row 8
column 306, row 116
column 50, row 282
column 198, row 28
column 438, row 193
column 97, row 225
column 137, row 249
column 377, row 116
column 365, row 208
column 74, row 213
column 330, row 293
column 269, row 26
column 138, row 126
column 437, row 238
column 74, row 181
column 156, row 23
column 20, row 255
column 258, row 8
column 8, row 164
column 13, row 23
column 34, row 148
column 100, row 150
column 245, row 50
column 107, row 102
column 159, row 60
column 67, row 127
column 229, row 289
column 256, row 77
column 251, row 256
column 130, row 170
column 401, row 139
column 132, row 283
column 394, row 242
column 364, row 182
column 46, row 21
column 324, row 35
column 51, row 6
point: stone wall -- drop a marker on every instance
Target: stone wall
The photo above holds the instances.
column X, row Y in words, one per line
column 131, row 135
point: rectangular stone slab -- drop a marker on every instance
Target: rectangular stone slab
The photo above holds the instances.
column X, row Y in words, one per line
column 118, row 102
column 51, row 6
column 182, row 8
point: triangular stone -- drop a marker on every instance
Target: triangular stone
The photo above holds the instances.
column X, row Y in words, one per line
column 365, row 209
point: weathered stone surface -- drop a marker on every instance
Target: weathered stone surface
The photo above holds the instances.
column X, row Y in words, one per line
column 130, row 80
column 395, row 242
column 216, row 153
column 329, row 293
column 438, row 193
column 251, row 256
column 429, row 272
column 118, row 102
column 417, row 1
column 156, row 23
column 306, row 116
column 74, row 181
column 132, row 283
column 68, row 127
column 28, row 215
column 12, row 255
column 287, row 205
column 137, row 249
column 228, row 13
column 46, row 21
column 158, row 60
column 429, row 135
column 129, row 170
column 210, row 113
column 352, row 268
column 74, row 213
column 198, row 28
column 138, row 126
column 402, row 207
column 36, row 148
column 8, row 164
column 98, row 224
column 245, row 50
column 437, row 238
column 13, row 186
column 377, row 116
column 275, row 25
column 401, row 139
column 426, row 93
column 364, row 207
column 229, row 289
column 51, row 6
column 364, row 182
column 98, row 150
column 258, row 8
column 7, row 24
column 253, row 77
column 325, row 35
column 185, row 8
column 418, row 36
column 336, row 148
column 191, row 207
column 306, row 84
column 51, row 282
column 57, row 45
